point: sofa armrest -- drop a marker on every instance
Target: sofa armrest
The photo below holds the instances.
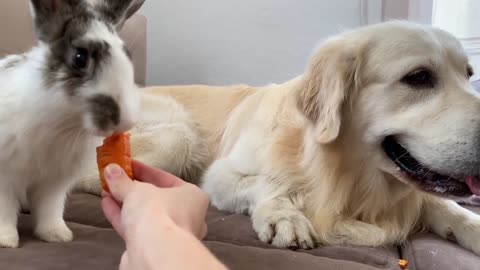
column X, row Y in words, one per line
column 134, row 34
column 16, row 29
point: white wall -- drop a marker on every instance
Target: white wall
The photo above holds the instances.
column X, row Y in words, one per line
column 241, row 41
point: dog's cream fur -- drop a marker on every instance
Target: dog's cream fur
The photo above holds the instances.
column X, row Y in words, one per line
column 304, row 159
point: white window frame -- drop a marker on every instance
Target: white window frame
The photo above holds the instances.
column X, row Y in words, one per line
column 459, row 17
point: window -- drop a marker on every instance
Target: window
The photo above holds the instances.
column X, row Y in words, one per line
column 460, row 17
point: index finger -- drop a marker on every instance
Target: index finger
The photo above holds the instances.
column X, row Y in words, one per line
column 159, row 178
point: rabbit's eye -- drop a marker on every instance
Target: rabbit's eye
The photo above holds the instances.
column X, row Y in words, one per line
column 80, row 58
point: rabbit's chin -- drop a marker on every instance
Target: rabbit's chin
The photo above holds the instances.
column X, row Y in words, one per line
column 94, row 130
column 100, row 133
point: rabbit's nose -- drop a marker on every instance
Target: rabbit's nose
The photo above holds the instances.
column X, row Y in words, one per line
column 105, row 112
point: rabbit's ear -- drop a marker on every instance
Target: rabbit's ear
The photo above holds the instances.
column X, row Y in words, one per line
column 134, row 7
column 50, row 15
column 118, row 11
column 41, row 7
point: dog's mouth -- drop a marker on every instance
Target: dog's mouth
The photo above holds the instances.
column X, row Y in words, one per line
column 427, row 179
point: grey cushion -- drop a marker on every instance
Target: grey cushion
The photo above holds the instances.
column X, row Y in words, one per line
column 231, row 238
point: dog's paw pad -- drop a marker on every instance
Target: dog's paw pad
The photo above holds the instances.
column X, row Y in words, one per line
column 58, row 233
column 293, row 232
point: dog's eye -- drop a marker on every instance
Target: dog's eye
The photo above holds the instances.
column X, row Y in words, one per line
column 80, row 58
column 420, row 78
column 469, row 72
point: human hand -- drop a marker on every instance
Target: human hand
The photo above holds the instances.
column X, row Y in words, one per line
column 155, row 196
column 160, row 219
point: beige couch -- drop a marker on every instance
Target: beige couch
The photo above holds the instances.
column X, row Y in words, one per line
column 231, row 238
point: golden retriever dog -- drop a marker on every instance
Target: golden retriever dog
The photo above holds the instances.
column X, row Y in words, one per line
column 370, row 145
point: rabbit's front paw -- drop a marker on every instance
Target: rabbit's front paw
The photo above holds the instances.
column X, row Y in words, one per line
column 54, row 233
column 8, row 238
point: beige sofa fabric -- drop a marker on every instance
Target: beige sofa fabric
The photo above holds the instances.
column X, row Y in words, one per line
column 17, row 35
column 16, row 29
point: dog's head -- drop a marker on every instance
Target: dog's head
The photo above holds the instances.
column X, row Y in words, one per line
column 402, row 92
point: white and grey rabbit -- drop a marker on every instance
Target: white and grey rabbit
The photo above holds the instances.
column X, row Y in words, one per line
column 57, row 102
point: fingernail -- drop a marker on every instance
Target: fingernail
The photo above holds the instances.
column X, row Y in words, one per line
column 113, row 171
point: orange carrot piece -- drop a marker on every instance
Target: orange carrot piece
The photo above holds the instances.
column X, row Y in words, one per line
column 403, row 264
column 115, row 149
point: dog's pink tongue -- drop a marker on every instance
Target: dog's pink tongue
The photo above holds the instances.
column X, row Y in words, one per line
column 473, row 183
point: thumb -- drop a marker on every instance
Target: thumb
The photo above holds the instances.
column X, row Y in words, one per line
column 118, row 182
column 124, row 264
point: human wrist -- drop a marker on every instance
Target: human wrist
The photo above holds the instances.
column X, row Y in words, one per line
column 163, row 222
column 163, row 235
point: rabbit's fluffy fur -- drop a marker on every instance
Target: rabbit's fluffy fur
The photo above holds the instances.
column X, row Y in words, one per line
column 57, row 101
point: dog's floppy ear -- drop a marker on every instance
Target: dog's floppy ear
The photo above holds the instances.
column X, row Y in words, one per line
column 331, row 76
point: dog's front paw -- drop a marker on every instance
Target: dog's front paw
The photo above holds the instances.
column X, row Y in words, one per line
column 468, row 238
column 54, row 233
column 9, row 238
column 285, row 229
column 475, row 247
